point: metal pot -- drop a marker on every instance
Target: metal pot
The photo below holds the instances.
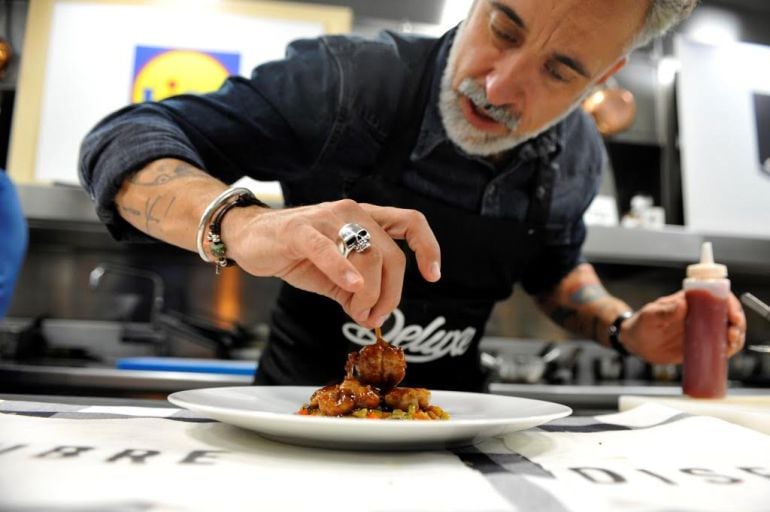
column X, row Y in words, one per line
column 612, row 108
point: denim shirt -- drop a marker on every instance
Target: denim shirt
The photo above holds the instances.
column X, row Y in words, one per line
column 320, row 116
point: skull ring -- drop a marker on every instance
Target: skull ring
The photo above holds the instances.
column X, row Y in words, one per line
column 354, row 238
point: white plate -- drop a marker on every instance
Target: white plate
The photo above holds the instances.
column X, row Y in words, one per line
column 271, row 411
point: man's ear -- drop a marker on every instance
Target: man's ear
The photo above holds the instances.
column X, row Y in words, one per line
column 614, row 69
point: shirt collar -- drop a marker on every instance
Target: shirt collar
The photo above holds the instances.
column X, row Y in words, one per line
column 432, row 132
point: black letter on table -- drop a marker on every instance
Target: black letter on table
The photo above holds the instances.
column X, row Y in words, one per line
column 716, row 477
column 62, row 452
column 614, row 478
column 193, row 456
column 659, row 477
column 11, row 448
column 757, row 471
column 136, row 456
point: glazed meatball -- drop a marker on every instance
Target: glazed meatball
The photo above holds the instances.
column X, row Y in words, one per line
column 381, row 365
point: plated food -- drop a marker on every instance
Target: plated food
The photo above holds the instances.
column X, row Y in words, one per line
column 370, row 389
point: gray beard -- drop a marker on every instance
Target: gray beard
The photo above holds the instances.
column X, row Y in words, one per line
column 469, row 138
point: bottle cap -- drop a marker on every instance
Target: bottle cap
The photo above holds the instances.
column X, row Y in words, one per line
column 706, row 268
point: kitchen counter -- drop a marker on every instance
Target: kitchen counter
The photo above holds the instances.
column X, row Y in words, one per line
column 104, row 381
column 37, row 379
column 76, row 453
column 601, row 397
column 100, row 380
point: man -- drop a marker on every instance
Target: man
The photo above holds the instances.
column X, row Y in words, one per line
column 14, row 229
column 475, row 138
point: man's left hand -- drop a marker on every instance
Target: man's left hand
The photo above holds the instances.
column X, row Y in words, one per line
column 656, row 331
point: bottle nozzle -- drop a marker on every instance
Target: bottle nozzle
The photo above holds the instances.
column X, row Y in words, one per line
column 706, row 268
column 706, row 253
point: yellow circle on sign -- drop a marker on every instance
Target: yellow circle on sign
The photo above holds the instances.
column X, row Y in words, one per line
column 178, row 72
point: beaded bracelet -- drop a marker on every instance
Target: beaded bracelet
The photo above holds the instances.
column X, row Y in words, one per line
column 212, row 219
column 216, row 245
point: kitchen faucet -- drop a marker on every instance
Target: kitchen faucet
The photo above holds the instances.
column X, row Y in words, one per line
column 158, row 286
column 169, row 325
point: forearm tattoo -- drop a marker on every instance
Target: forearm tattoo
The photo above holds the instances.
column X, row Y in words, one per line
column 582, row 310
column 588, row 293
column 149, row 217
column 127, row 210
column 162, row 175
column 156, row 207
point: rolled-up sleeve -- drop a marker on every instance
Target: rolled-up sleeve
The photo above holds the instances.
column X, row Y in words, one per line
column 271, row 126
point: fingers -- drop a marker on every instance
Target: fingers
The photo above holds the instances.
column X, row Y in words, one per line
column 391, row 288
column 356, row 289
column 411, row 225
column 369, row 284
column 322, row 252
column 670, row 309
column 363, row 301
column 735, row 314
column 659, row 327
column 735, row 340
column 736, row 332
column 674, row 303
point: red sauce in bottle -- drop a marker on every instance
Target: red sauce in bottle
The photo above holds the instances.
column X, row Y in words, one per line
column 704, row 373
column 707, row 289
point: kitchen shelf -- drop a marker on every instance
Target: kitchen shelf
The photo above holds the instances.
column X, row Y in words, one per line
column 673, row 246
column 65, row 207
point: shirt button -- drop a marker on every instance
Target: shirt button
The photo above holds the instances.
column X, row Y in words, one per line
column 555, row 166
column 540, row 192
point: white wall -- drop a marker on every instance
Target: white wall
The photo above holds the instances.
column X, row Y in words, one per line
column 91, row 56
column 725, row 187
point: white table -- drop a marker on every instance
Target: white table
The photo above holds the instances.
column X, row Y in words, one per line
column 113, row 455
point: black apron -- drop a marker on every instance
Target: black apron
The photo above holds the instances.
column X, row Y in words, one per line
column 439, row 325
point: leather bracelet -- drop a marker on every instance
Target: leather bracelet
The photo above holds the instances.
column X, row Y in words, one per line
column 614, row 333
column 238, row 196
column 217, row 247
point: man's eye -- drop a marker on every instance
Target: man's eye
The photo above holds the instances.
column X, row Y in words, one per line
column 555, row 73
column 502, row 35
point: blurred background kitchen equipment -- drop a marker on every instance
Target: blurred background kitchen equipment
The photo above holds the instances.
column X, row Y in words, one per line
column 756, row 305
column 763, row 310
column 158, row 287
column 612, row 107
column 6, row 54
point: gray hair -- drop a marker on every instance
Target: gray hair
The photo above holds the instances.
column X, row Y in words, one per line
column 662, row 16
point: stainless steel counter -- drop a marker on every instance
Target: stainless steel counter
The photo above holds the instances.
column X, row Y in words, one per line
column 102, row 381
column 15, row 378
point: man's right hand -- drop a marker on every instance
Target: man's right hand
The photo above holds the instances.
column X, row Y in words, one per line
column 299, row 245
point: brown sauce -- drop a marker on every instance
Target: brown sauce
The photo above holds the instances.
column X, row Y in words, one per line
column 704, row 372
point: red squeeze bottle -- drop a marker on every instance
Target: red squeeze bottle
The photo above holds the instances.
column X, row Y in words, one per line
column 704, row 372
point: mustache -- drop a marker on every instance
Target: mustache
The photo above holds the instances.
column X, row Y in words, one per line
column 478, row 97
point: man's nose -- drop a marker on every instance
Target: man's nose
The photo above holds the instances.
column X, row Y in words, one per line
column 510, row 79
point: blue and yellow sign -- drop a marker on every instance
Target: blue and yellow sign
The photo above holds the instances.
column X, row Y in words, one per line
column 163, row 72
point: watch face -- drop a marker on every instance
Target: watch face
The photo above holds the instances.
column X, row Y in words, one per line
column 762, row 114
